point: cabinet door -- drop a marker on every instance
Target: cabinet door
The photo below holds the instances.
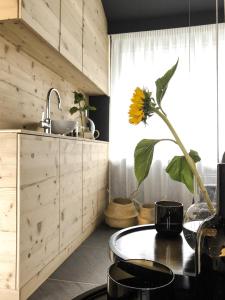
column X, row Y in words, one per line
column 90, row 183
column 43, row 16
column 95, row 44
column 8, row 210
column 70, row 191
column 95, row 180
column 71, row 31
column 103, row 178
column 39, row 203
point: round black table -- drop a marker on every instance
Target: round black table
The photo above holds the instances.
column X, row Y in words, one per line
column 144, row 242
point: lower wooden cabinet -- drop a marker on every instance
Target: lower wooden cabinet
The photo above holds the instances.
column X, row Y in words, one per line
column 52, row 194
column 90, row 183
column 95, row 181
column 38, row 167
column 70, row 191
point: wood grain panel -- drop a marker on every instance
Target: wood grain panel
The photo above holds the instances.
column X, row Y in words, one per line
column 95, row 180
column 38, row 50
column 43, row 16
column 70, row 191
column 89, row 183
column 8, row 238
column 8, row 209
column 103, row 177
column 39, row 203
column 8, row 9
column 95, row 44
column 8, row 152
column 71, row 31
column 24, row 84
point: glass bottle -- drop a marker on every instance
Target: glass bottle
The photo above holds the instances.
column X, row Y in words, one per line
column 197, row 213
column 210, row 250
column 89, row 125
column 85, row 125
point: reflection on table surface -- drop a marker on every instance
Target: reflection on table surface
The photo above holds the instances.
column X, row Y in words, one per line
column 144, row 242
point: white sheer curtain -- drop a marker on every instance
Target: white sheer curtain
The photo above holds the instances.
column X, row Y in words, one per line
column 138, row 59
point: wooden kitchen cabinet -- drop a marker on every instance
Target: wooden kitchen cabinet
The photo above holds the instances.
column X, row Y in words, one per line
column 71, row 31
column 53, row 191
column 8, row 211
column 103, row 180
column 44, row 17
column 39, row 203
column 95, row 44
column 95, row 181
column 68, row 36
column 70, row 191
column 90, row 183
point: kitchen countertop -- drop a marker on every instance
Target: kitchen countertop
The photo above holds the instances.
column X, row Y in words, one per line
column 40, row 133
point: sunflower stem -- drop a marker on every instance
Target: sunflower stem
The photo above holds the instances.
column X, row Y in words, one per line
column 188, row 159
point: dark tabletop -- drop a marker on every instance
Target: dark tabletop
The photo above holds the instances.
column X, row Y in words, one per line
column 144, row 242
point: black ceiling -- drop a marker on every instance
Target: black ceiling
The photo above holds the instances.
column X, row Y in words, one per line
column 138, row 15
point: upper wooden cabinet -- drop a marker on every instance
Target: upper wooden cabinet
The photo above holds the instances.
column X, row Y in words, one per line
column 71, row 31
column 44, row 17
column 95, row 44
column 68, row 36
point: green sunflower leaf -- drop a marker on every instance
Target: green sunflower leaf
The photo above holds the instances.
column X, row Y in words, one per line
column 143, row 156
column 162, row 83
column 194, row 155
column 179, row 170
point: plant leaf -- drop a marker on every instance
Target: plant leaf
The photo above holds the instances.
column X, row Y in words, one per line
column 162, row 83
column 179, row 169
column 78, row 97
column 73, row 110
column 143, row 155
column 93, row 108
column 194, row 155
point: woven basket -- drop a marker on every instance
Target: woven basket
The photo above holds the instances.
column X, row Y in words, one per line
column 146, row 214
column 121, row 213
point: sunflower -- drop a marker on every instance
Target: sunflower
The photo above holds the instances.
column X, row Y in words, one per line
column 136, row 113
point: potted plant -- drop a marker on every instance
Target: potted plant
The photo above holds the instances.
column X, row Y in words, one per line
column 82, row 106
column 180, row 168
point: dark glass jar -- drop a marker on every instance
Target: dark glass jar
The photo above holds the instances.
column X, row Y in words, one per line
column 210, row 250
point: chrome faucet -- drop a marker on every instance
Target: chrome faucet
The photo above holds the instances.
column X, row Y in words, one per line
column 46, row 120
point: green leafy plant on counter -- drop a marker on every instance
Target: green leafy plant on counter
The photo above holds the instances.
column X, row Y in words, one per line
column 81, row 105
column 181, row 168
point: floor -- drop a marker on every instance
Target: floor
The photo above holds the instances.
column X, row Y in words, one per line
column 85, row 269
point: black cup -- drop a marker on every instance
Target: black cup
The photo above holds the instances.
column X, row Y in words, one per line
column 139, row 280
column 168, row 217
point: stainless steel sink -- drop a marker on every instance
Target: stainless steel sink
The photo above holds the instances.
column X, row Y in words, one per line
column 62, row 126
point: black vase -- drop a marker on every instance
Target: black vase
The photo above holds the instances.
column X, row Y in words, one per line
column 168, row 218
column 210, row 248
column 139, row 280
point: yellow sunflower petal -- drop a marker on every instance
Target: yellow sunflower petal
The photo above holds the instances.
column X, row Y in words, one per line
column 139, row 93
column 135, row 120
